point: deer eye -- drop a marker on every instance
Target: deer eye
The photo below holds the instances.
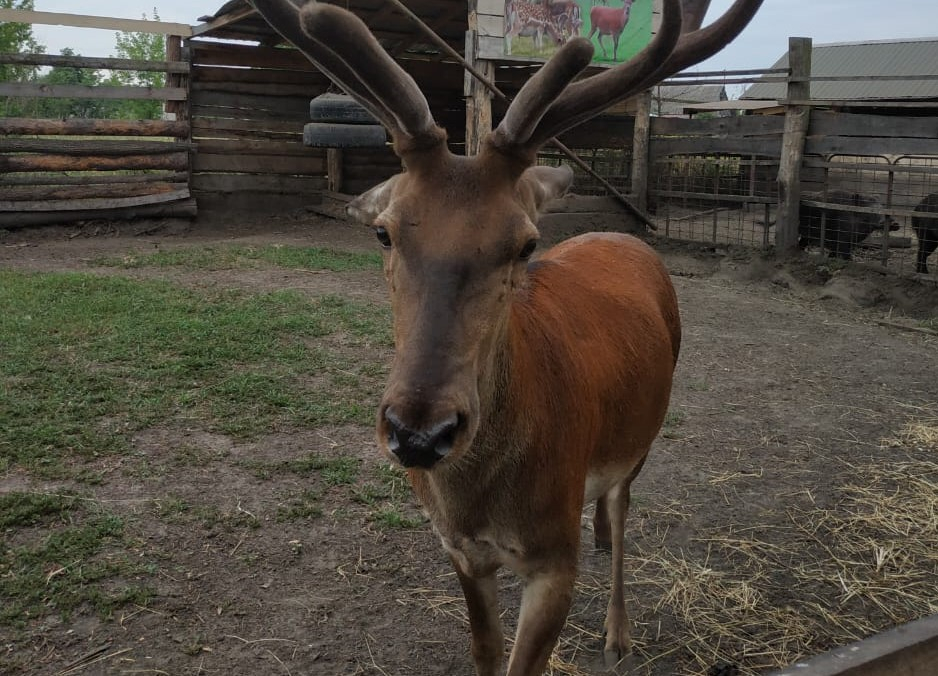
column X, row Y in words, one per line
column 528, row 249
column 383, row 237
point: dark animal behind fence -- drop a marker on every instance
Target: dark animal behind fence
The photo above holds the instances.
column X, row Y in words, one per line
column 840, row 229
column 926, row 229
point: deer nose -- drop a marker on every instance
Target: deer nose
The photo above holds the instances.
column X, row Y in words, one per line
column 420, row 448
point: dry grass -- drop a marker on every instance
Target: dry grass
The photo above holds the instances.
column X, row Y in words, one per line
column 761, row 596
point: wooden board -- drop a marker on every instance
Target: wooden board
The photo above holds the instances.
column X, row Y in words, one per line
column 745, row 125
column 89, row 127
column 87, row 21
column 259, row 164
column 109, row 63
column 858, row 145
column 908, row 650
column 824, row 123
column 47, row 91
column 235, row 183
column 62, row 146
column 278, row 148
column 93, row 204
column 661, row 147
column 180, row 209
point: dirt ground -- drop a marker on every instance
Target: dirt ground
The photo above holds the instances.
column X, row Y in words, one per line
column 794, row 380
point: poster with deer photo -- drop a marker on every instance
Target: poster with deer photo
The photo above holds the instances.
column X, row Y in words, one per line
column 618, row 29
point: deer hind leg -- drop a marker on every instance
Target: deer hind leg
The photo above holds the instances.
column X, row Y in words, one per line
column 488, row 642
column 617, row 626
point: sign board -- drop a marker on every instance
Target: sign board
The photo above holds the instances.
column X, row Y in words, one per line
column 532, row 30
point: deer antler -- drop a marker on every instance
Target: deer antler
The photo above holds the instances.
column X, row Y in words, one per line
column 340, row 44
column 668, row 53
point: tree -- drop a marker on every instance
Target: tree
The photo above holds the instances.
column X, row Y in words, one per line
column 145, row 47
column 16, row 38
column 66, row 108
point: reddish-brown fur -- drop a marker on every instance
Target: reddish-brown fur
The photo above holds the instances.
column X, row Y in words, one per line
column 518, row 390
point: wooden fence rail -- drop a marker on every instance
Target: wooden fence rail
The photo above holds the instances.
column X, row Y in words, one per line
column 62, row 170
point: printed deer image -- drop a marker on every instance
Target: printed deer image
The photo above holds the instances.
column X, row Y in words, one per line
column 520, row 387
column 609, row 21
column 532, row 20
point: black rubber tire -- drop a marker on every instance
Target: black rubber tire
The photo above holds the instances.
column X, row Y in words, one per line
column 339, row 108
column 328, row 135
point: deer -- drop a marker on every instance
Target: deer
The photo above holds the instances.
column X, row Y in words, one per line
column 609, row 21
column 521, row 386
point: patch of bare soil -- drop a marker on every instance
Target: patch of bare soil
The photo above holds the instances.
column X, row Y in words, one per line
column 787, row 387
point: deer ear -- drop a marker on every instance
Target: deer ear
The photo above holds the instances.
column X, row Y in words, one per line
column 366, row 207
column 547, row 183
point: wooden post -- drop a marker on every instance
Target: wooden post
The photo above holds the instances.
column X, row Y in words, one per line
column 796, row 128
column 334, row 169
column 641, row 139
column 478, row 97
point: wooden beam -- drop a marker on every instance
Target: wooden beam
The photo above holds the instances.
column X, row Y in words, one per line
column 180, row 209
column 640, row 155
column 87, row 21
column 45, row 163
column 796, row 129
column 109, row 63
column 94, row 179
column 25, row 193
column 89, row 127
column 222, row 21
column 92, row 204
column 62, row 146
column 47, row 91
column 907, row 650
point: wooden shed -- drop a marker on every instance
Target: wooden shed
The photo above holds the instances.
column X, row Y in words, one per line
column 250, row 98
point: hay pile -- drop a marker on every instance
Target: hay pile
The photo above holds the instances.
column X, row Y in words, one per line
column 761, row 596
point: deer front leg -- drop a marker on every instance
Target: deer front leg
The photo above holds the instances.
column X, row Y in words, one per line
column 545, row 603
column 487, row 642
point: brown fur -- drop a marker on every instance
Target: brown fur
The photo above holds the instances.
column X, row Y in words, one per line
column 517, row 391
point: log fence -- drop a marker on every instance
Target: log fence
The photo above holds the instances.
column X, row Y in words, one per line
column 66, row 170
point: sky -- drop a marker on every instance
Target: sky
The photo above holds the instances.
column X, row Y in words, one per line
column 759, row 46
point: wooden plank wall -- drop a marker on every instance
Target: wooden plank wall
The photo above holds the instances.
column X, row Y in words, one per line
column 60, row 171
column 249, row 106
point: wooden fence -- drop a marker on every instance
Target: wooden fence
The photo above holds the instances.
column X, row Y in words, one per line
column 249, row 105
column 55, row 171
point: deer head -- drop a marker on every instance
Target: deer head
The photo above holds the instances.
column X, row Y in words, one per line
column 458, row 232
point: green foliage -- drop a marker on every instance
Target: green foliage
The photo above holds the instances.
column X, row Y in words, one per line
column 66, row 108
column 16, row 38
column 140, row 47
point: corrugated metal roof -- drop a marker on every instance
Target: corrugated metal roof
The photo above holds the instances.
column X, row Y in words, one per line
column 671, row 99
column 881, row 57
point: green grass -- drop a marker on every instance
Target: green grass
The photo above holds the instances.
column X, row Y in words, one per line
column 18, row 510
column 65, row 569
column 87, row 360
column 227, row 257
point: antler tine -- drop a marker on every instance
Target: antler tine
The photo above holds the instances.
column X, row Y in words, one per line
column 340, row 45
column 587, row 98
column 701, row 44
column 283, row 16
column 539, row 92
column 349, row 39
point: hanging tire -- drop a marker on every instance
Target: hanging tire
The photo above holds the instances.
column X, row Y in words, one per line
column 329, row 135
column 339, row 108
